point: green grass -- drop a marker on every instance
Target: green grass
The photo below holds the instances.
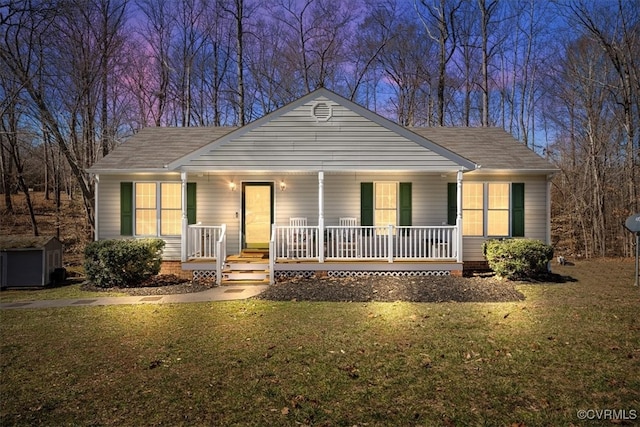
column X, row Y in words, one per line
column 72, row 291
column 568, row 347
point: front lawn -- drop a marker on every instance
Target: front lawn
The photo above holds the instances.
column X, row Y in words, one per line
column 568, row 347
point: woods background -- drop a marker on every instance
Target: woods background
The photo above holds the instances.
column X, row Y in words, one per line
column 77, row 77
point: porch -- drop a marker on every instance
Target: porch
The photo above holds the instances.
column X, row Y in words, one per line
column 333, row 250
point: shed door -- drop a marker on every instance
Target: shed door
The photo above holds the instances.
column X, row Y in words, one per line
column 257, row 214
column 25, row 268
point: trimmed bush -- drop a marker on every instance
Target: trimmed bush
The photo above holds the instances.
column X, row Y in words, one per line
column 122, row 263
column 518, row 258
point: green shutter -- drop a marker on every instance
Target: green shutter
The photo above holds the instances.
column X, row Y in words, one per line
column 191, row 202
column 126, row 208
column 405, row 204
column 366, row 203
column 452, row 203
column 517, row 209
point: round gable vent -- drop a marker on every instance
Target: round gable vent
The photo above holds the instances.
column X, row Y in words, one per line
column 321, row 111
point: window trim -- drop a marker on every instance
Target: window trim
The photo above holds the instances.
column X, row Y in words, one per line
column 481, row 209
column 508, row 209
column 485, row 210
column 158, row 208
column 397, row 202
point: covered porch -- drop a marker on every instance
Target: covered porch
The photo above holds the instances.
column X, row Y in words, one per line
column 304, row 245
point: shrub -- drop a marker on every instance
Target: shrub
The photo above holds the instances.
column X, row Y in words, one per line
column 518, row 258
column 122, row 263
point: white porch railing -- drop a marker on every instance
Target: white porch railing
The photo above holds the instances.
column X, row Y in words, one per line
column 208, row 242
column 367, row 243
column 426, row 242
column 296, row 242
column 202, row 240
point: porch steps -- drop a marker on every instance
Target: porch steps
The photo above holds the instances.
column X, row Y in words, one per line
column 245, row 270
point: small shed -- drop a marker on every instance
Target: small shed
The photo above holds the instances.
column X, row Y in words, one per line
column 30, row 261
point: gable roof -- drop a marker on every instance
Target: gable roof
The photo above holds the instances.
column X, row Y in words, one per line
column 292, row 139
column 21, row 241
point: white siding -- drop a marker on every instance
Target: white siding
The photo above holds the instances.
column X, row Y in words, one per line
column 217, row 204
column 109, row 208
column 296, row 141
column 535, row 213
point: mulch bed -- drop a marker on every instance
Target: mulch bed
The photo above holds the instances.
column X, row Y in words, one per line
column 162, row 284
column 389, row 289
column 355, row 289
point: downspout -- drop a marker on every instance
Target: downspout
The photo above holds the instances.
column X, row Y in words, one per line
column 96, row 215
column 459, row 216
column 548, row 231
column 321, row 216
column 185, row 221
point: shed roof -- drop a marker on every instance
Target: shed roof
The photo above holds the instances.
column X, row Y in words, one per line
column 25, row 242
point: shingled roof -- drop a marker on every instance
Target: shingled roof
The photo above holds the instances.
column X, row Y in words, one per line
column 489, row 147
column 24, row 242
column 154, row 147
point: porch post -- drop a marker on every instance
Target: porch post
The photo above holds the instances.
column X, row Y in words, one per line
column 321, row 216
column 185, row 222
column 459, row 217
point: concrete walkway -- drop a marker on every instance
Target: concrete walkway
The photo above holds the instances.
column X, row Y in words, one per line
column 220, row 293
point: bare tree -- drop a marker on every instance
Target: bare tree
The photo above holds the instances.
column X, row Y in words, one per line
column 315, row 31
column 443, row 13
column 618, row 35
column 14, row 139
column 239, row 11
column 153, row 82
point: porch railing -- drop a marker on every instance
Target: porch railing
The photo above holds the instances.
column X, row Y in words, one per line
column 366, row 242
column 296, row 242
column 438, row 242
column 206, row 241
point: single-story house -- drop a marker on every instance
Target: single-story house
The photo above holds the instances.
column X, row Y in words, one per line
column 322, row 185
column 30, row 261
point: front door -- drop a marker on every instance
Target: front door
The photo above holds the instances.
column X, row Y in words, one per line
column 257, row 214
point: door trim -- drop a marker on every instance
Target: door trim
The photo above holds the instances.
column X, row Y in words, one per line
column 271, row 185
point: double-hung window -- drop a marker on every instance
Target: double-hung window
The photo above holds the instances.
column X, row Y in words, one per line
column 155, row 208
column 497, row 209
column 145, row 209
column 472, row 209
column 386, row 203
column 490, row 209
column 170, row 209
column 158, row 208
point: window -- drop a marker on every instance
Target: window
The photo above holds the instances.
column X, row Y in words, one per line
column 383, row 203
column 149, row 213
column 493, row 209
column 145, row 209
column 386, row 203
column 472, row 209
column 170, row 209
column 497, row 209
